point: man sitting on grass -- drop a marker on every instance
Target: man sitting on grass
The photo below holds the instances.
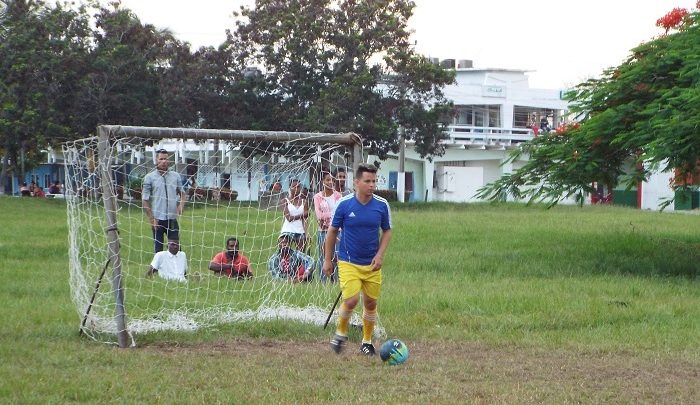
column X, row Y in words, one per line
column 231, row 262
column 290, row 264
column 170, row 264
column 55, row 188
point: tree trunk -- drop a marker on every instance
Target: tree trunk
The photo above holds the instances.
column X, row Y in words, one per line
column 21, row 163
column 609, row 199
column 3, row 174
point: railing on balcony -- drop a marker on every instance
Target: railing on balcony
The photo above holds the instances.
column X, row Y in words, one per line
column 487, row 137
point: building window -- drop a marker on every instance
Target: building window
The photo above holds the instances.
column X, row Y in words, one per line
column 529, row 117
column 479, row 115
column 494, row 116
column 464, row 116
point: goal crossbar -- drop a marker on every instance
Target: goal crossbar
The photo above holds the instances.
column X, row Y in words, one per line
column 348, row 139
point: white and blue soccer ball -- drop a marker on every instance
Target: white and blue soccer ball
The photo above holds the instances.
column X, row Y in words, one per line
column 393, row 352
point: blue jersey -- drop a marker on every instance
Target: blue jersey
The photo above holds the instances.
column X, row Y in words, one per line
column 360, row 223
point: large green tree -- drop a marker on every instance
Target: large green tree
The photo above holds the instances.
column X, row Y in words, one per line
column 641, row 116
column 63, row 72
column 223, row 94
column 41, row 51
column 134, row 75
column 345, row 65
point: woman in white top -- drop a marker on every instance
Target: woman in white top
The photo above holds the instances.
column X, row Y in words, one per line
column 295, row 213
column 325, row 202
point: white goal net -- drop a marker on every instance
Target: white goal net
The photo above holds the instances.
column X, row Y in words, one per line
column 234, row 181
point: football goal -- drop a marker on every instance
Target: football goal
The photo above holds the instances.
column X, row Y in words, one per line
column 234, row 182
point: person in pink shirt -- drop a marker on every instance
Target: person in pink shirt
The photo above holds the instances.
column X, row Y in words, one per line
column 325, row 202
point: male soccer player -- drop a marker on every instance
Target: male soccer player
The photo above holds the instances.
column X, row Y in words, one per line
column 361, row 250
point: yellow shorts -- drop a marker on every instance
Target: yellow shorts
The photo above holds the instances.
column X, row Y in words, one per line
column 355, row 277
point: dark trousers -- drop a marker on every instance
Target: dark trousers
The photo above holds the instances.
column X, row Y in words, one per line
column 167, row 227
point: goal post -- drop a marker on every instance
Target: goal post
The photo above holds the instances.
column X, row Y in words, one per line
column 110, row 204
column 232, row 179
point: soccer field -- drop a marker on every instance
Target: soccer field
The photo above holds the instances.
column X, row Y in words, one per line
column 497, row 303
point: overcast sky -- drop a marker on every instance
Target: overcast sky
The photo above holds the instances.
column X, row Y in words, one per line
column 563, row 42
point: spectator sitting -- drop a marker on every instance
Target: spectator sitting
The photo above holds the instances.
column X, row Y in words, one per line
column 231, row 262
column 38, row 192
column 55, row 188
column 290, row 264
column 24, row 190
column 170, row 264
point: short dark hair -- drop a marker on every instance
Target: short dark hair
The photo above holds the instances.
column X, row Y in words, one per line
column 325, row 173
column 233, row 238
column 365, row 168
column 161, row 150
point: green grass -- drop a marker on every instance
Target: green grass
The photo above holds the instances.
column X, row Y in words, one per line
column 601, row 286
column 568, row 276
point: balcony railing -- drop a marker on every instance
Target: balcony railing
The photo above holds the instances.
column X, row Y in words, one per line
column 487, row 137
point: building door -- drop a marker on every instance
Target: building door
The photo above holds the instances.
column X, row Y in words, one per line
column 226, row 180
column 408, row 189
column 191, row 171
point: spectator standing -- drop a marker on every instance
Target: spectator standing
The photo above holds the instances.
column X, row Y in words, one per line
column 163, row 200
column 325, row 202
column 340, row 180
column 296, row 211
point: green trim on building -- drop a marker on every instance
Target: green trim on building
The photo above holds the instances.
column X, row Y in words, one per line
column 686, row 200
column 627, row 198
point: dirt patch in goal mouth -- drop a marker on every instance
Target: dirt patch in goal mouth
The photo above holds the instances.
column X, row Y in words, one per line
column 445, row 372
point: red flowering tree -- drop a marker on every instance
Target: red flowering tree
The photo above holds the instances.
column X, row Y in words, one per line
column 674, row 19
column 641, row 116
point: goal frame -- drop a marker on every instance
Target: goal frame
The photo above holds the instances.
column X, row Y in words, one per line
column 108, row 133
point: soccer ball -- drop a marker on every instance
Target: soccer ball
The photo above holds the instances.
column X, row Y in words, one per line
column 393, row 352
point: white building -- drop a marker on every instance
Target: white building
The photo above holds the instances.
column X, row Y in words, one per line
column 496, row 110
